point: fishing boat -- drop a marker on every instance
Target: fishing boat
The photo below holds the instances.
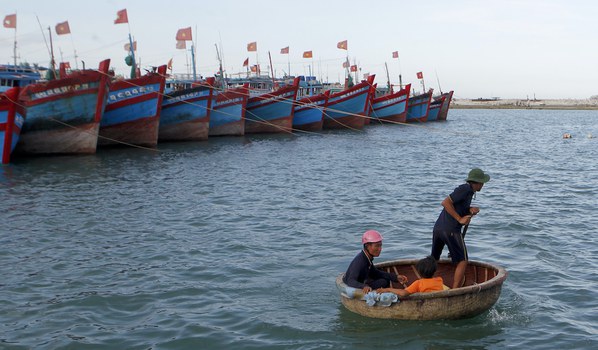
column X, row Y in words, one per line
column 349, row 108
column 435, row 107
column 272, row 112
column 419, row 106
column 185, row 112
column 63, row 115
column 481, row 290
column 448, row 96
column 309, row 112
column 11, row 122
column 132, row 114
column 228, row 114
column 391, row 107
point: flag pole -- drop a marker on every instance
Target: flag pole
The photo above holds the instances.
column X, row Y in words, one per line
column 75, row 50
column 15, row 46
column 272, row 70
column 388, row 79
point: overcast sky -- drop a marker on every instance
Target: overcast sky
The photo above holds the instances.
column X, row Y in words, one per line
column 506, row 49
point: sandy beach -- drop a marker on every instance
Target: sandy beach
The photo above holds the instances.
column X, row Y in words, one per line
column 591, row 103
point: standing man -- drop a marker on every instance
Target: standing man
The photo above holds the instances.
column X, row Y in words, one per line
column 457, row 211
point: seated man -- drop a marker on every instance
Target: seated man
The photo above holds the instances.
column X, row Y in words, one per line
column 362, row 273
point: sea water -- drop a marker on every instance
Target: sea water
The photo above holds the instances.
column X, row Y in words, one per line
column 235, row 243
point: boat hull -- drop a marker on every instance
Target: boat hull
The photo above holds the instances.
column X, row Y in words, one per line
column 419, row 107
column 445, row 105
column 132, row 115
column 392, row 107
column 434, row 110
column 11, row 122
column 271, row 112
column 63, row 116
column 309, row 112
column 228, row 115
column 348, row 109
column 483, row 284
column 185, row 114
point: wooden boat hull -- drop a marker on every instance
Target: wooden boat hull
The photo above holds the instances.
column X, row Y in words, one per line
column 63, row 116
column 271, row 112
column 445, row 105
column 132, row 115
column 348, row 109
column 184, row 109
column 11, row 122
column 435, row 110
column 309, row 112
column 483, row 284
column 393, row 107
column 228, row 115
column 419, row 107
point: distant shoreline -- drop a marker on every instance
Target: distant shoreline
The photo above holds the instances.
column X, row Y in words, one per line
column 563, row 104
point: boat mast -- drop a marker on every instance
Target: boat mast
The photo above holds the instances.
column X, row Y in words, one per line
column 388, row 79
column 272, row 70
column 220, row 70
column 193, row 61
column 52, row 62
column 438, row 80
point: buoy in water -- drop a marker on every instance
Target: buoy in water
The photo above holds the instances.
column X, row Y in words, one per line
column 590, row 135
column 566, row 135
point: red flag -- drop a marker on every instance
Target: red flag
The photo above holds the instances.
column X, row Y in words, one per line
column 252, row 46
column 246, row 62
column 395, row 54
column 181, row 44
column 63, row 28
column 10, row 21
column 128, row 46
column 284, row 51
column 342, row 45
column 353, row 68
column 420, row 75
column 184, row 34
column 121, row 17
column 307, row 54
column 346, row 64
column 169, row 65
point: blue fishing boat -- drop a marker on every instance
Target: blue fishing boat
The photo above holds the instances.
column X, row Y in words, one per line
column 132, row 114
column 63, row 115
column 228, row 114
column 419, row 107
column 309, row 112
column 350, row 107
column 186, row 109
column 271, row 112
column 391, row 107
column 11, row 122
column 434, row 110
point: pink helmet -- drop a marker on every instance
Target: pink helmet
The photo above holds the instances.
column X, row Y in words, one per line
column 371, row 236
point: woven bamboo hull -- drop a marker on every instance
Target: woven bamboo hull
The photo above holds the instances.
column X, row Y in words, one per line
column 483, row 284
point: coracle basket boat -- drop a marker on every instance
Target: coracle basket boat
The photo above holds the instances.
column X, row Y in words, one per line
column 483, row 283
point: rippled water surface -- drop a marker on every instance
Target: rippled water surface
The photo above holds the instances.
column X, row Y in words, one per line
column 236, row 242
